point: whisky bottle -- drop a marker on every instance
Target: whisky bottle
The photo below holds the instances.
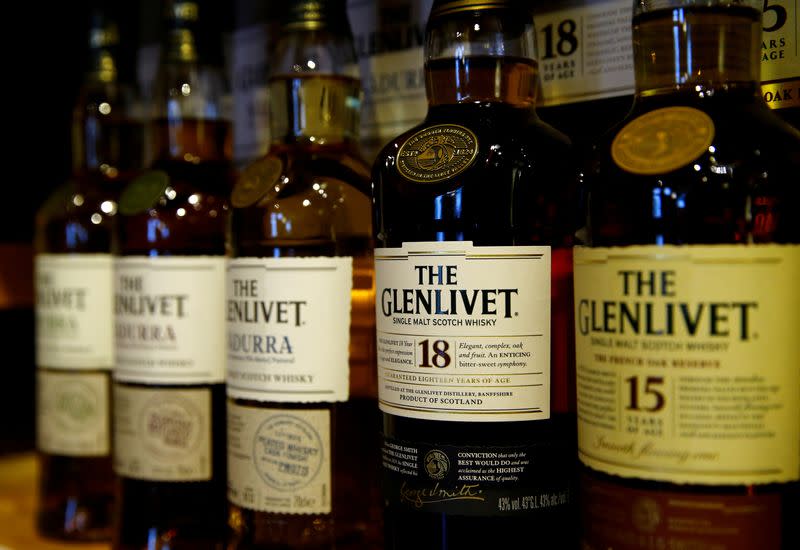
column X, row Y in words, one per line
column 686, row 298
column 169, row 395
column 73, row 281
column 780, row 59
column 389, row 36
column 473, row 218
column 585, row 64
column 303, row 421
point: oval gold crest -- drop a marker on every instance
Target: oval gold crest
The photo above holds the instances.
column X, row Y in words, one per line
column 437, row 153
column 662, row 140
column 256, row 180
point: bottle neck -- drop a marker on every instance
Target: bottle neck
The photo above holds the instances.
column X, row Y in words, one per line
column 697, row 49
column 107, row 141
column 314, row 90
column 187, row 122
column 481, row 56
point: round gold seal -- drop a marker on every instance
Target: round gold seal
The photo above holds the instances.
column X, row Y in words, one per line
column 437, row 153
column 662, row 140
column 256, row 180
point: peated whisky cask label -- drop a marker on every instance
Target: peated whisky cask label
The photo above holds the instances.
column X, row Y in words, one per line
column 72, row 416
column 74, row 312
column 463, row 331
column 162, row 434
column 279, row 460
column 687, row 362
column 169, row 314
column 780, row 57
column 288, row 331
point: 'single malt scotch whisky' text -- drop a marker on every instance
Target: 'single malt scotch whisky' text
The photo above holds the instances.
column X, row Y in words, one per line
column 473, row 297
column 686, row 300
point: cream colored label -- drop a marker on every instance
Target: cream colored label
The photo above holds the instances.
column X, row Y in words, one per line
column 687, row 362
column 74, row 314
column 279, row 460
column 72, row 413
column 463, row 331
column 170, row 319
column 780, row 56
column 288, row 323
column 585, row 50
column 162, row 434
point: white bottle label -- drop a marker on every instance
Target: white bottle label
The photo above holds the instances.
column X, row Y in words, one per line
column 389, row 38
column 780, row 56
column 74, row 313
column 73, row 413
column 585, row 51
column 687, row 362
column 162, row 434
column 279, row 460
column 251, row 105
column 289, row 328
column 464, row 331
column 169, row 319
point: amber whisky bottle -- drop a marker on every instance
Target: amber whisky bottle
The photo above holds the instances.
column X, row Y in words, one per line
column 303, row 420
column 686, row 298
column 74, row 323
column 169, row 395
column 474, row 219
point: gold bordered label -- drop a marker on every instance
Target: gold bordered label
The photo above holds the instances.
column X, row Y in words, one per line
column 256, row 181
column 779, row 95
column 437, row 153
column 662, row 140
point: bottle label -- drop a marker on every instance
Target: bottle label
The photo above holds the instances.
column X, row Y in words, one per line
column 687, row 362
column 279, row 460
column 169, row 316
column 73, row 413
column 289, row 328
column 162, row 434
column 614, row 516
column 251, row 106
column 463, row 331
column 663, row 140
column 585, row 51
column 74, row 323
column 474, row 481
column 389, row 40
column 780, row 58
column 437, row 153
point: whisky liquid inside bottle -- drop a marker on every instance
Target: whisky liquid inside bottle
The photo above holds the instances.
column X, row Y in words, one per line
column 74, row 303
column 169, row 396
column 690, row 213
column 471, row 211
column 303, row 376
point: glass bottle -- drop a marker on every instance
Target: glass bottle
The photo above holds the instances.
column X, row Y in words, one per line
column 302, row 415
column 74, row 326
column 169, row 394
column 686, row 295
column 474, row 219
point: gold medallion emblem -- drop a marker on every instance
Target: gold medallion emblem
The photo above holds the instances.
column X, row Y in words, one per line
column 662, row 140
column 256, row 181
column 437, row 153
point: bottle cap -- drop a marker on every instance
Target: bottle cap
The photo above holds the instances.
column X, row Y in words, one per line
column 313, row 14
